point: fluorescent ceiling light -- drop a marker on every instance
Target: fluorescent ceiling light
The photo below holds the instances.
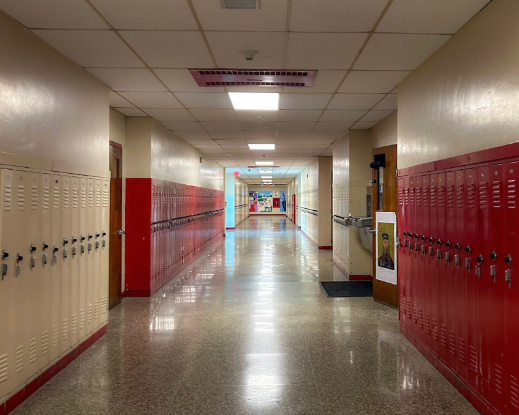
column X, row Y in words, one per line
column 265, row 171
column 264, row 163
column 266, row 177
column 266, row 180
column 254, row 101
column 262, row 146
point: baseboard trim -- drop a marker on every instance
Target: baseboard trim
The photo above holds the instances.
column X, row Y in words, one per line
column 325, row 247
column 361, row 278
column 230, row 229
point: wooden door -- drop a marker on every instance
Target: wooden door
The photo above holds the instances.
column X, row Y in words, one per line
column 384, row 292
column 116, row 210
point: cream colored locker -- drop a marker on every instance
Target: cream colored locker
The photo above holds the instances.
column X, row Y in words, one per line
column 20, row 287
column 105, row 253
column 74, row 254
column 98, row 184
column 83, row 256
column 6, row 251
column 56, row 207
column 90, row 210
column 64, row 259
column 46, row 263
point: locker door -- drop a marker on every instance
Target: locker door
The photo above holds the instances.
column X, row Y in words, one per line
column 418, row 257
column 90, row 227
column 510, row 275
column 45, row 261
column 74, row 255
column 460, row 255
column 441, row 266
column 426, row 260
column 407, row 259
column 471, row 251
column 412, row 256
column 450, row 287
column 499, row 289
column 56, row 263
column 401, row 264
column 105, row 253
column 64, row 258
column 83, row 256
column 6, row 251
column 97, row 251
column 485, row 281
column 432, row 263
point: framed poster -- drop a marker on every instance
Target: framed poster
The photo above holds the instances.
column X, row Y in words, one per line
column 265, row 201
column 253, row 201
column 386, row 247
column 283, row 204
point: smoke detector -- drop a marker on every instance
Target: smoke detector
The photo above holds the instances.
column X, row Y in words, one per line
column 241, row 4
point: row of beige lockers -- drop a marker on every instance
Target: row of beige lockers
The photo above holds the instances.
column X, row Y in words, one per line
column 54, row 231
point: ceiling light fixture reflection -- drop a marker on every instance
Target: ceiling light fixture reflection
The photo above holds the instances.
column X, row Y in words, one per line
column 254, row 101
column 264, row 163
column 262, row 146
column 265, row 171
column 266, row 177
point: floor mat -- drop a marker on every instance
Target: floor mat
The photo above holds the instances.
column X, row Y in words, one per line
column 347, row 288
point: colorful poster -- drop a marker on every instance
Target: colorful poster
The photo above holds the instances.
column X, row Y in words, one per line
column 386, row 252
column 265, row 201
column 253, row 201
column 283, row 205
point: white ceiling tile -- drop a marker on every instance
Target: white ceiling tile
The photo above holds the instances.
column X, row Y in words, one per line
column 439, row 16
column 226, row 48
column 333, row 126
column 222, row 126
column 372, row 81
column 354, row 101
column 303, row 101
column 295, row 126
column 299, row 115
column 335, row 16
column 363, row 125
column 342, row 115
column 227, row 134
column 258, row 126
column 118, row 101
column 170, row 49
column 233, row 143
column 147, row 15
column 128, row 79
column 197, row 100
column 184, row 126
column 168, row 114
column 325, row 82
column 181, row 80
column 256, row 116
column 152, row 99
column 53, row 14
column 293, row 146
column 101, row 48
column 376, row 115
column 294, row 139
column 398, row 52
column 260, row 135
column 388, row 103
column 307, row 135
column 214, row 114
column 132, row 112
column 197, row 135
column 323, row 50
column 271, row 16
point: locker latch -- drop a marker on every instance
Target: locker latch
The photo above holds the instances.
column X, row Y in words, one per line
column 65, row 253
column 17, row 269
column 405, row 243
column 423, row 249
column 508, row 276
column 397, row 241
column 467, row 263
column 457, row 259
column 4, row 271
column 493, row 272
column 73, row 251
column 33, row 261
column 447, row 256
column 104, row 243
column 439, row 254
column 97, row 245
column 45, row 258
column 431, row 251
column 477, row 271
column 416, row 246
column 82, row 248
column 89, row 247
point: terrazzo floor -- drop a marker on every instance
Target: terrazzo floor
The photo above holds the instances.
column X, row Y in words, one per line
column 249, row 331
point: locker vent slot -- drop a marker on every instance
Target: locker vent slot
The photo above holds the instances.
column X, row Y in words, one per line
column 96, row 310
column 56, row 198
column 496, row 194
column 511, row 194
column 406, row 196
column 441, row 196
column 435, row 329
column 74, row 198
column 401, row 196
column 418, row 196
column 473, row 359
column 402, row 301
column 450, row 196
column 498, row 375
column 514, row 391
column 64, row 335
column 483, row 195
column 420, row 318
column 98, row 197
column 106, row 198
column 425, row 197
column 55, row 336
column 90, row 197
column 34, row 197
column 104, row 305
column 7, row 197
column 443, row 336
column 89, row 314
column 433, row 196
column 461, row 350
column 452, row 342
column 66, row 198
column 21, row 197
column 32, row 350
column 19, row 359
column 427, row 324
column 414, row 313
column 3, row 368
column 411, row 196
column 73, row 324
column 44, row 343
column 459, row 196
column 83, row 198
column 82, row 319
column 470, row 196
column 46, row 193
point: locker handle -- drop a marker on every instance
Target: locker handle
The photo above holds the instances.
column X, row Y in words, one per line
column 33, row 248
column 82, row 238
column 89, row 236
column 5, row 255
column 468, row 249
column 74, row 239
column 508, row 259
column 65, row 241
column 405, row 233
column 458, row 246
column 55, row 249
column 423, row 237
column 45, row 246
column 448, row 244
column 19, row 258
column 493, row 255
column 480, row 258
column 97, row 235
column 439, row 241
column 104, row 234
column 416, row 236
column 431, row 239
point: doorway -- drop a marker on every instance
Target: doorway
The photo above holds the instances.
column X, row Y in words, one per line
column 116, row 232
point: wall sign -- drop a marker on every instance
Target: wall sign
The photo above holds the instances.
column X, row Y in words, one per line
column 386, row 247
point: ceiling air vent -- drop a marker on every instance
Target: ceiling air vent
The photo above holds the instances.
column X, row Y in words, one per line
column 245, row 77
column 240, row 4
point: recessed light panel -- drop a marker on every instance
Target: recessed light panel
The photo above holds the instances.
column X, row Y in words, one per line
column 262, row 146
column 254, row 101
column 264, row 163
column 265, row 171
column 266, row 177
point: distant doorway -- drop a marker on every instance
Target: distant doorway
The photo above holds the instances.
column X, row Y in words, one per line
column 116, row 232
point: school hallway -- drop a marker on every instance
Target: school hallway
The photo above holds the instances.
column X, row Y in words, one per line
column 249, row 331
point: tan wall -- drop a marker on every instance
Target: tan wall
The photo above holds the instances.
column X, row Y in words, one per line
column 466, row 96
column 325, row 201
column 309, row 198
column 384, row 133
column 241, row 201
column 138, row 142
column 275, row 211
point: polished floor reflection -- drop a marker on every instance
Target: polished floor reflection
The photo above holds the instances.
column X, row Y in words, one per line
column 248, row 331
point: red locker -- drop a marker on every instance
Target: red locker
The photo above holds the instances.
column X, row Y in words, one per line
column 409, row 250
column 425, row 259
column 433, row 263
column 418, row 257
column 412, row 254
column 402, row 275
column 450, row 288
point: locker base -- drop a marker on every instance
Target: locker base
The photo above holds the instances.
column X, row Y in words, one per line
column 325, row 247
column 476, row 400
column 20, row 396
column 361, row 278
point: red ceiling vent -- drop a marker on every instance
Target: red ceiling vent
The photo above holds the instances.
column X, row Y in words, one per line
column 244, row 77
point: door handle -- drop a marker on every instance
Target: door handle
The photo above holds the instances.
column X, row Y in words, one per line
column 121, row 232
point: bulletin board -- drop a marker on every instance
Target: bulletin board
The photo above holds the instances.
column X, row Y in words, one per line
column 265, row 201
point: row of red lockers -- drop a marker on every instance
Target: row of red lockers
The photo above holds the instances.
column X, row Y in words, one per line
column 183, row 218
column 459, row 287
